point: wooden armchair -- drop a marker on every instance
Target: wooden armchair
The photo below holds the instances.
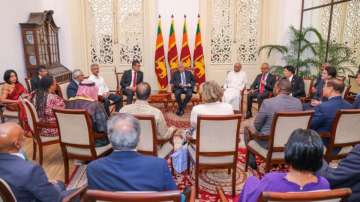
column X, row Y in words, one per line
column 208, row 152
column 344, row 133
column 77, row 141
column 6, row 193
column 308, row 82
column 36, row 127
column 283, row 124
column 320, row 195
column 4, row 112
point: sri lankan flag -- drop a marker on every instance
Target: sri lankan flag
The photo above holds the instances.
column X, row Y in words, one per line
column 199, row 65
column 160, row 66
column 185, row 57
column 172, row 50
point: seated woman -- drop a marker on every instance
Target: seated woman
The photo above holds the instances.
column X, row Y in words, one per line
column 11, row 92
column 303, row 154
column 211, row 94
column 317, row 91
column 87, row 98
column 45, row 100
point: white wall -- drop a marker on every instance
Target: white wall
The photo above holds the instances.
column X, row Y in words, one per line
column 13, row 12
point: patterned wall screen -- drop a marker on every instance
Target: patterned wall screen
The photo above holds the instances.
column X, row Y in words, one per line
column 130, row 30
column 100, row 29
column 246, row 35
column 234, row 27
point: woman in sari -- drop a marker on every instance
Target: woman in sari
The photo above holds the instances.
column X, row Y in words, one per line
column 45, row 101
column 11, row 91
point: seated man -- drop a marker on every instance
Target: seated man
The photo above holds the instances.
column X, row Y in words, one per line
column 325, row 112
column 283, row 102
column 182, row 82
column 234, row 83
column 346, row 174
column 104, row 91
column 356, row 104
column 297, row 83
column 27, row 181
column 142, row 107
column 87, row 98
column 35, row 80
column 260, row 88
column 125, row 169
column 72, row 88
column 130, row 79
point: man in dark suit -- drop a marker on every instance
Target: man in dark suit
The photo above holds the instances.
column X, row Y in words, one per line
column 325, row 112
column 297, row 83
column 125, row 169
column 27, row 181
column 346, row 174
column 260, row 88
column 182, row 82
column 130, row 79
column 35, row 80
column 73, row 86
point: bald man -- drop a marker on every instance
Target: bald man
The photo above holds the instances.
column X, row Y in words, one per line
column 28, row 181
column 142, row 107
column 234, row 83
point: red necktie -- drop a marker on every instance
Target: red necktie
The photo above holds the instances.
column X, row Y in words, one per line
column 134, row 80
column 262, row 86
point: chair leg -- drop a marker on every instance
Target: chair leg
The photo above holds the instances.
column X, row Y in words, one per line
column 229, row 171
column 267, row 166
column 66, row 167
column 197, row 181
column 34, row 150
column 247, row 160
column 40, row 154
column 233, row 182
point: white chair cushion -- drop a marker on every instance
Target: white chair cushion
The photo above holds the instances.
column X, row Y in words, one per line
column 12, row 114
column 86, row 152
column 344, row 150
column 45, row 139
column 263, row 152
column 210, row 160
column 165, row 150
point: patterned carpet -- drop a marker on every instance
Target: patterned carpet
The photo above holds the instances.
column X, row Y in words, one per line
column 208, row 180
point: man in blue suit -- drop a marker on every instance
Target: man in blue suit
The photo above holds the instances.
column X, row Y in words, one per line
column 125, row 169
column 73, row 86
column 325, row 112
column 27, row 181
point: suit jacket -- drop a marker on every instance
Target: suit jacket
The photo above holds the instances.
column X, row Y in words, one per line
column 28, row 181
column 270, row 81
column 127, row 77
column 325, row 113
column 297, row 87
column 176, row 80
column 72, row 89
column 129, row 171
column 280, row 103
column 356, row 103
column 347, row 174
column 35, row 83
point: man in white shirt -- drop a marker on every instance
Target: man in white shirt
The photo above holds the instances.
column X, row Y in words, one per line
column 234, row 83
column 104, row 91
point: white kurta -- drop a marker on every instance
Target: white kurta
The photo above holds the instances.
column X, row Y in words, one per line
column 234, row 83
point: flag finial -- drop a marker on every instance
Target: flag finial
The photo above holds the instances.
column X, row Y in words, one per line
column 172, row 15
column 198, row 15
column 159, row 16
column 184, row 16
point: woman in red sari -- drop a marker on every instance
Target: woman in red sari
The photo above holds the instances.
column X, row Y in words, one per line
column 10, row 94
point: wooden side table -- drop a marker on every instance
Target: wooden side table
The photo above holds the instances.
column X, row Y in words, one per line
column 160, row 97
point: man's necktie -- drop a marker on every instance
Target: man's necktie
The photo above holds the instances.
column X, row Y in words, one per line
column 134, row 79
column 183, row 78
column 262, row 86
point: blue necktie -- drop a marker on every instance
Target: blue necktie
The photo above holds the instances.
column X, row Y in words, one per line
column 183, row 78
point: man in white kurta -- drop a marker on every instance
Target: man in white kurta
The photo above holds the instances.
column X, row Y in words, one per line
column 235, row 82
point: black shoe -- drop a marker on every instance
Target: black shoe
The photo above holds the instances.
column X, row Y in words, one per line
column 248, row 115
column 181, row 113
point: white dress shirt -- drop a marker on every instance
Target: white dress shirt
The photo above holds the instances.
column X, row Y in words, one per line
column 100, row 83
column 234, row 83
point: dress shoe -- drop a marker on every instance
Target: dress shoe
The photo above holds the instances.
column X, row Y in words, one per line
column 248, row 115
column 181, row 113
column 178, row 112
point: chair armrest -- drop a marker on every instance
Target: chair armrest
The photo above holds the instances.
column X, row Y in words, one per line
column 46, row 125
column 220, row 191
column 190, row 139
column 325, row 134
column 254, row 134
column 73, row 195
